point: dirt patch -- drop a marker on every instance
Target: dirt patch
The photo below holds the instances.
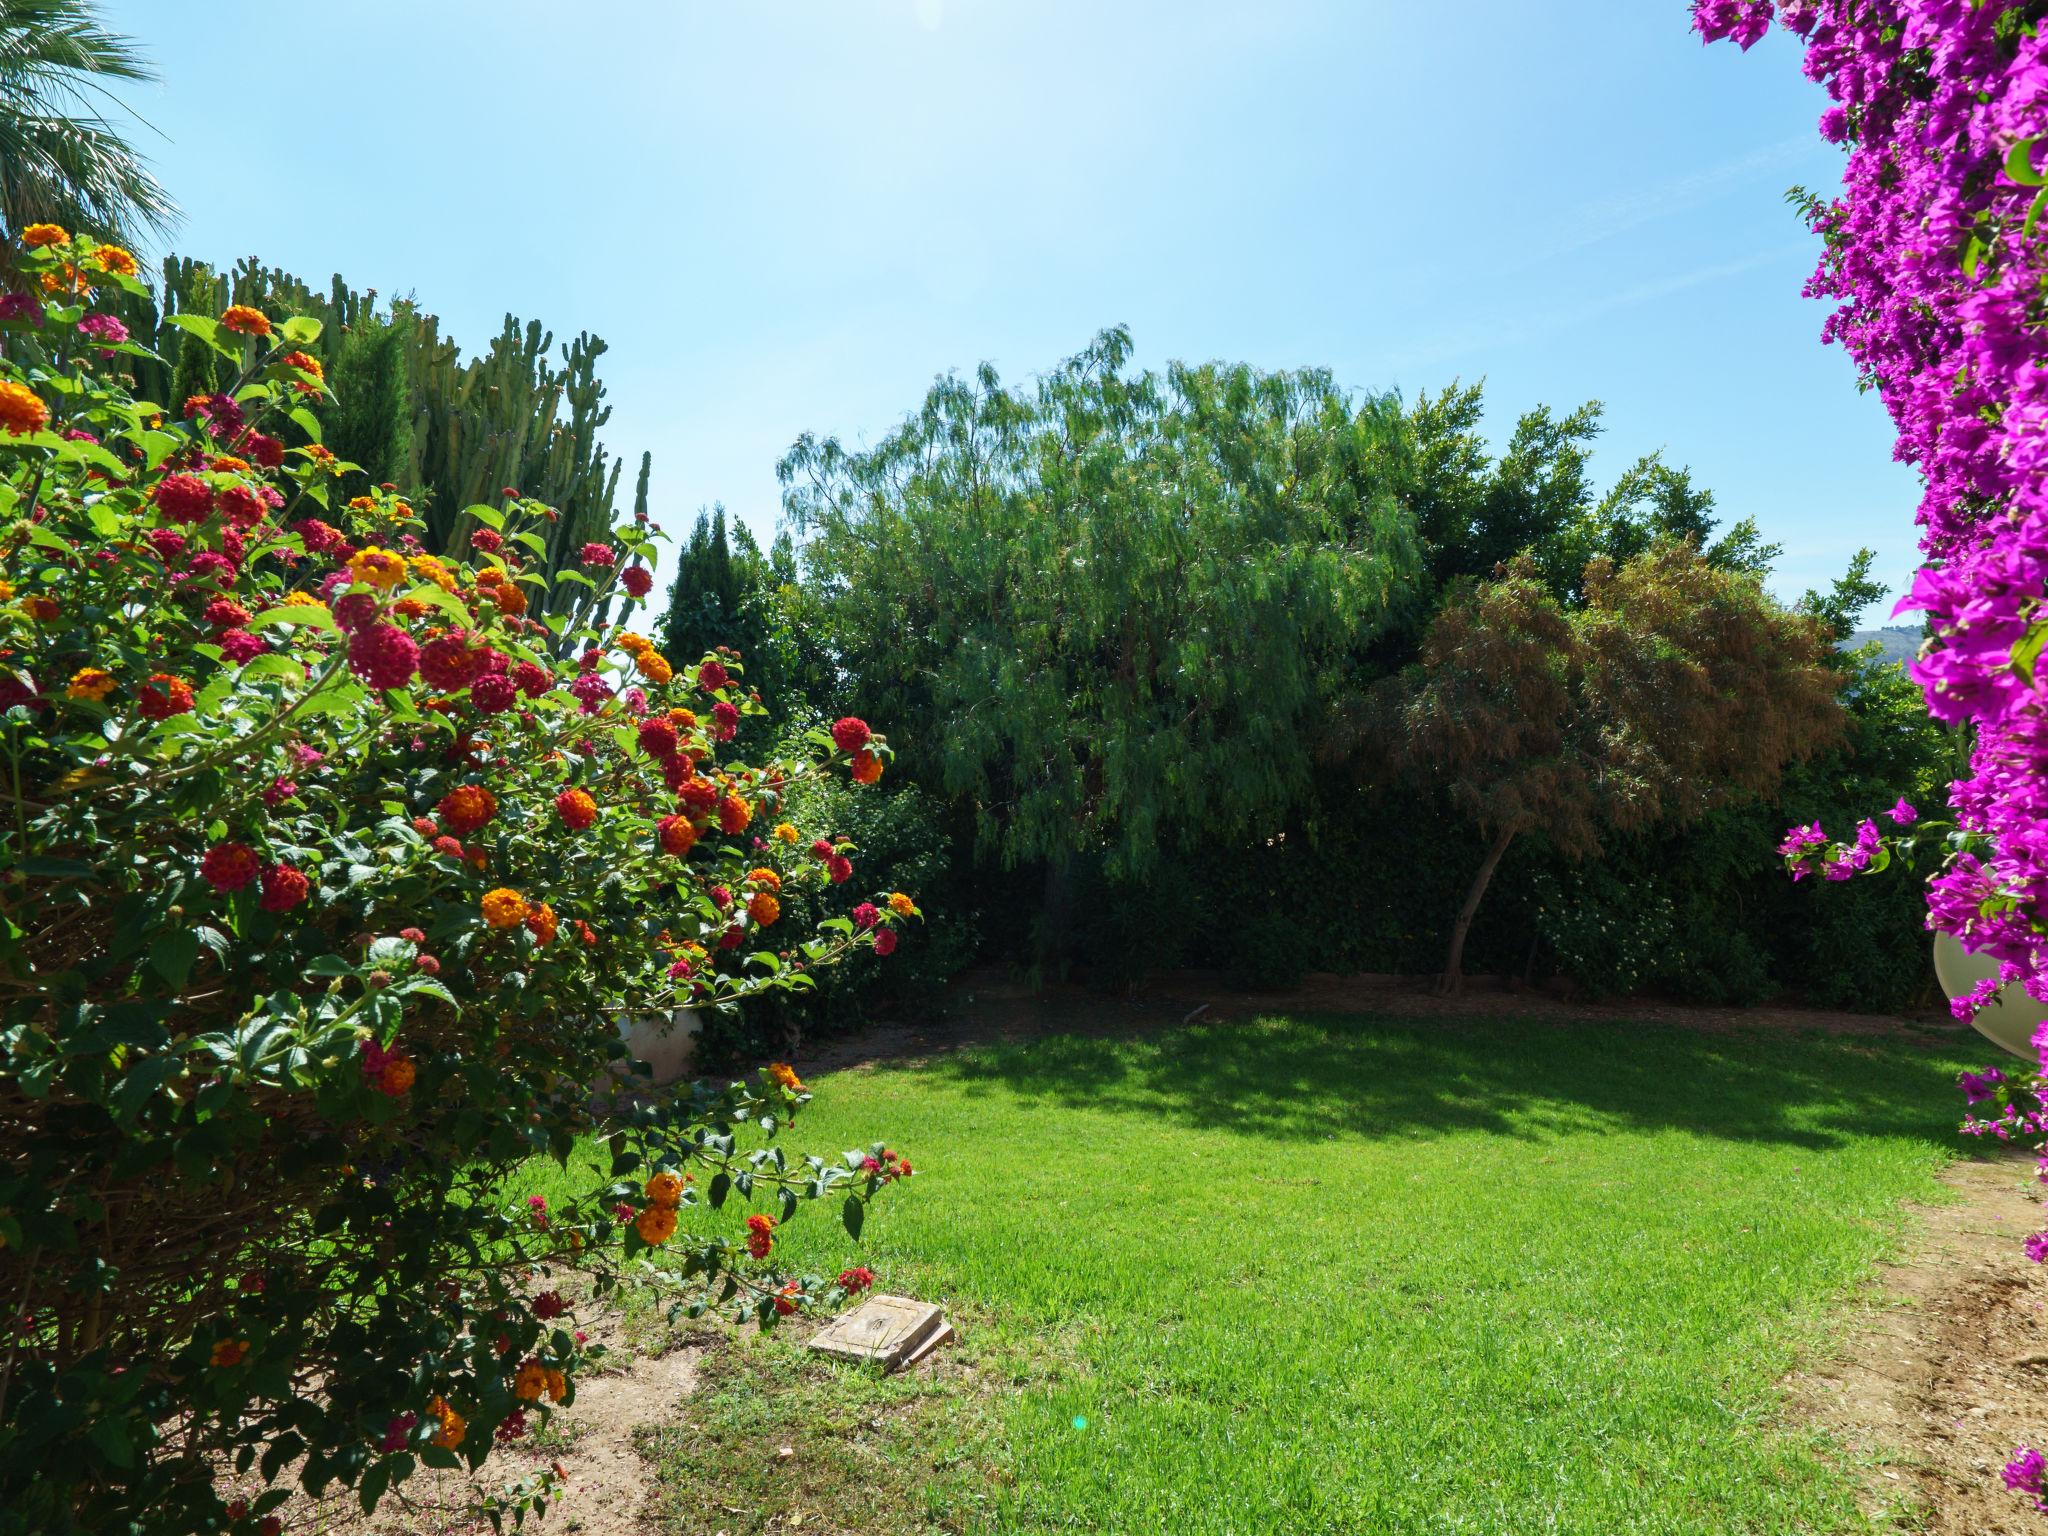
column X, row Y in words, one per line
column 1944, row 1369
column 608, row 1480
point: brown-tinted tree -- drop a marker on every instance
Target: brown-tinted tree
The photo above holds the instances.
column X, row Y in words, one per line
column 1679, row 686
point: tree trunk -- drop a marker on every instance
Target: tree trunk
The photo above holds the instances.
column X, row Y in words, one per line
column 1055, row 934
column 1453, row 980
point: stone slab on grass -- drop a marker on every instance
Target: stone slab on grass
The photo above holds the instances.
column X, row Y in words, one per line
column 891, row 1329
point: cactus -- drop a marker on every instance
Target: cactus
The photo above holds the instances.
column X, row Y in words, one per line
column 449, row 432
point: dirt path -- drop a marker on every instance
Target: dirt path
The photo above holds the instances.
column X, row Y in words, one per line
column 1944, row 1368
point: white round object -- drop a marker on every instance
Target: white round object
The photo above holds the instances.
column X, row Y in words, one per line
column 2010, row 1019
column 667, row 1042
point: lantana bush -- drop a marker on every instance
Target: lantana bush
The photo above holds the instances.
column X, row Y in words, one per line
column 331, row 872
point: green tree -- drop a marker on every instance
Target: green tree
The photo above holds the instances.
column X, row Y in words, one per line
column 730, row 592
column 1678, row 687
column 1119, row 598
column 1538, row 498
column 62, row 160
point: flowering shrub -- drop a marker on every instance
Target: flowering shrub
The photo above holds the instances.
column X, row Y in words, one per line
column 1936, row 254
column 330, row 872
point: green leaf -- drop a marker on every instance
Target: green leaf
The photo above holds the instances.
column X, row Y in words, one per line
column 207, row 330
column 144, row 1076
column 306, row 422
column 272, row 666
column 2019, row 164
column 44, row 867
column 302, row 331
column 372, row 1487
column 447, row 602
column 110, row 1436
column 311, row 618
column 171, row 954
column 2026, row 654
column 854, row 1214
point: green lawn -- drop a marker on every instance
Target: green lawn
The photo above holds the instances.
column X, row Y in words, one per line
column 1347, row 1275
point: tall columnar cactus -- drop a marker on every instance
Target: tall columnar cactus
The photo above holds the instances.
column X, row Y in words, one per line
column 449, row 432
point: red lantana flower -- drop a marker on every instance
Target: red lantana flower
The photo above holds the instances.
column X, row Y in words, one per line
column 183, row 498
column 658, row 737
column 230, row 866
column 284, row 888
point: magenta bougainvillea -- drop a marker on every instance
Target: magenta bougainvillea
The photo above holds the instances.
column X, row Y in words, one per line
column 1935, row 256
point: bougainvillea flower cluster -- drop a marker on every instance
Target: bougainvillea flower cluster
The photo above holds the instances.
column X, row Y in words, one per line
column 1935, row 255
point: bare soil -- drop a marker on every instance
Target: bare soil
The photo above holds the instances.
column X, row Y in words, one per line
column 1943, row 1368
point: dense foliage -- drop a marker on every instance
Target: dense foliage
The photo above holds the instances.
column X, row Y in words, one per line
column 1673, row 688
column 1124, row 593
column 332, row 869
column 920, row 556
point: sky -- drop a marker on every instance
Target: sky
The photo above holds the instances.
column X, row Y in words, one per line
column 791, row 215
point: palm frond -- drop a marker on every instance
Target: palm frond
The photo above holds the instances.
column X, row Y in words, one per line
column 61, row 159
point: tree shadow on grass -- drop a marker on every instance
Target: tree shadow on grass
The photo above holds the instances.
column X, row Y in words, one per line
column 1309, row 1077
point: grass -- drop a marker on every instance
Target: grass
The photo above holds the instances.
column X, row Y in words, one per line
column 1319, row 1275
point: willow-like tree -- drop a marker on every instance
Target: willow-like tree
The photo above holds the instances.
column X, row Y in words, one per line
column 1679, row 686
column 1115, row 598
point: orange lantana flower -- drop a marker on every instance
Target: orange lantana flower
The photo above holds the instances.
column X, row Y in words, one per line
column 22, row 409
column 540, row 922
column 111, row 258
column 247, row 320
column 93, row 683
column 504, row 907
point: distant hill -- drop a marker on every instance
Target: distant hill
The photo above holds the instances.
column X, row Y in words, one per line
column 1900, row 642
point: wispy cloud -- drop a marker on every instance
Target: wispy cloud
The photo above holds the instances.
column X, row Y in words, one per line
column 1604, row 218
column 1522, row 327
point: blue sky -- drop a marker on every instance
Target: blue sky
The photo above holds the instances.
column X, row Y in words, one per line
column 789, row 215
